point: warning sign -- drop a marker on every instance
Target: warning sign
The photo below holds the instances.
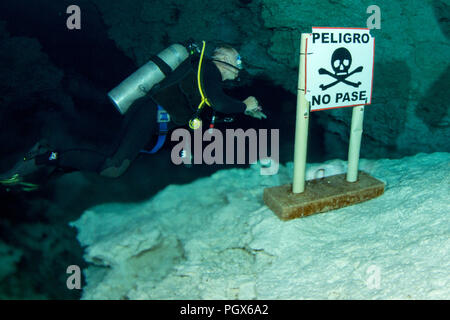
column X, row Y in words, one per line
column 339, row 67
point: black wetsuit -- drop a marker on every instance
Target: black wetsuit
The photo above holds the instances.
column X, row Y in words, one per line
column 178, row 94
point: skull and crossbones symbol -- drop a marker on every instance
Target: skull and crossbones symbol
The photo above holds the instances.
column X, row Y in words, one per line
column 341, row 60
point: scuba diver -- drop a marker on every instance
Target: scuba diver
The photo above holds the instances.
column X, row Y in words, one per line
column 171, row 90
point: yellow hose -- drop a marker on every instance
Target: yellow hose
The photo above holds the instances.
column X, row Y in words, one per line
column 204, row 99
column 196, row 122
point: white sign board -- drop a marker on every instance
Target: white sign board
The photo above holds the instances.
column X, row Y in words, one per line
column 339, row 67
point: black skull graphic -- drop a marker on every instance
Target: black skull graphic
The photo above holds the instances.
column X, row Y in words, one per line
column 341, row 60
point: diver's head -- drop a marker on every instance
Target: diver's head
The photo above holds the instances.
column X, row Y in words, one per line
column 228, row 61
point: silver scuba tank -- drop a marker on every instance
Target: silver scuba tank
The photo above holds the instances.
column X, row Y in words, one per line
column 139, row 83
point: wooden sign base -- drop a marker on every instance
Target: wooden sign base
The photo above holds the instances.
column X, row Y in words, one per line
column 321, row 195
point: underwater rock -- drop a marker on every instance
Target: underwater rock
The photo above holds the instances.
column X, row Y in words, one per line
column 215, row 239
column 10, row 257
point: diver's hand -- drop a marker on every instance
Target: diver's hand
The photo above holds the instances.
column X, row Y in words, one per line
column 253, row 108
column 251, row 104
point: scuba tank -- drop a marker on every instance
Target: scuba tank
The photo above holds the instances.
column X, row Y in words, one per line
column 142, row 80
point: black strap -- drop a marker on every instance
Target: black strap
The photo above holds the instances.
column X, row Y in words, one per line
column 228, row 64
column 164, row 67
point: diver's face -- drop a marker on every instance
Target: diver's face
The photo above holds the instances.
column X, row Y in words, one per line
column 233, row 59
column 229, row 63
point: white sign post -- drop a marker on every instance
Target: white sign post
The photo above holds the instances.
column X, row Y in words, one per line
column 335, row 71
column 301, row 124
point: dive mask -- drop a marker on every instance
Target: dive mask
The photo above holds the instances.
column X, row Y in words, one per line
column 239, row 62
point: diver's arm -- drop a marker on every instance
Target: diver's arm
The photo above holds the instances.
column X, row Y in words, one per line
column 212, row 81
